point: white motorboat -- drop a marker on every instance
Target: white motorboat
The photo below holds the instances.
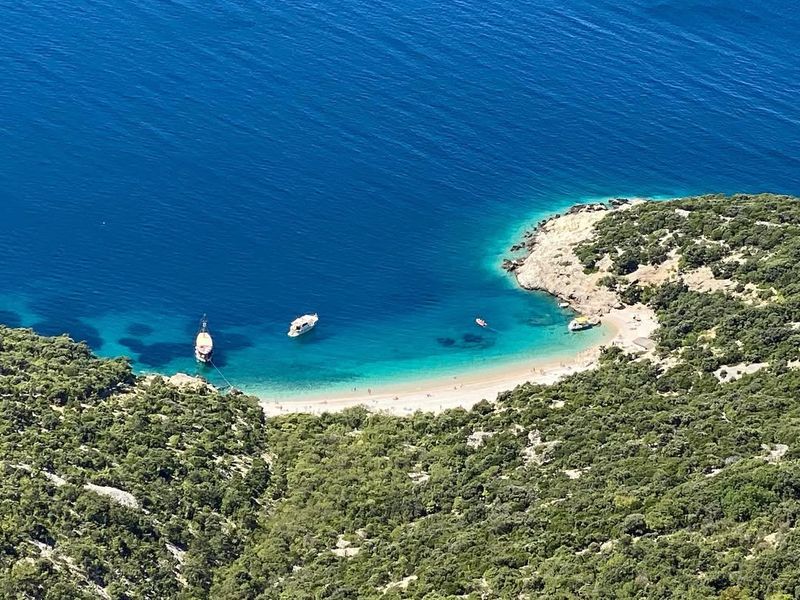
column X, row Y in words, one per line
column 203, row 344
column 580, row 323
column 302, row 325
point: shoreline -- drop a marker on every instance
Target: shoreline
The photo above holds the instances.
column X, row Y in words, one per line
column 466, row 390
column 444, row 391
column 549, row 243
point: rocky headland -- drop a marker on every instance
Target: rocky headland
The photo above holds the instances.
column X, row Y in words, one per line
column 551, row 265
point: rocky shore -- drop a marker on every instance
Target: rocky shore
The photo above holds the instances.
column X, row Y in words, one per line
column 551, row 265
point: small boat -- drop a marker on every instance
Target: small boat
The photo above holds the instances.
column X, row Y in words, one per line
column 563, row 305
column 481, row 322
column 580, row 323
column 302, row 325
column 203, row 344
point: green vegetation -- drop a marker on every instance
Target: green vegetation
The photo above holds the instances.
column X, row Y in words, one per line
column 642, row 479
column 750, row 243
column 191, row 459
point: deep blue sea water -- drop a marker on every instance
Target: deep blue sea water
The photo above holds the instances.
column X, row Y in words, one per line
column 368, row 160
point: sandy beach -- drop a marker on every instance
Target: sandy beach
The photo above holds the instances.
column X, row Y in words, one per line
column 624, row 326
column 628, row 327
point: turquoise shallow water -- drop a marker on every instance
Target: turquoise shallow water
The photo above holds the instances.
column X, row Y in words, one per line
column 366, row 160
column 437, row 340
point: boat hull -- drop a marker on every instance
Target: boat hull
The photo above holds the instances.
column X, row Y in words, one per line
column 302, row 325
column 298, row 333
column 582, row 323
column 203, row 345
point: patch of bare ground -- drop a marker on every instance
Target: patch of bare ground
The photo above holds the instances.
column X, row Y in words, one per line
column 344, row 548
column 537, row 451
column 733, row 372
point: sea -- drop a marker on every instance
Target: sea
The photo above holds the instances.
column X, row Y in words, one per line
column 370, row 161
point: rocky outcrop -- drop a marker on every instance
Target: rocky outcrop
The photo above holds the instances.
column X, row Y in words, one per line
column 552, row 266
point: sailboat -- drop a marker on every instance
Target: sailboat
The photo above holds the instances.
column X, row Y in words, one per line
column 203, row 344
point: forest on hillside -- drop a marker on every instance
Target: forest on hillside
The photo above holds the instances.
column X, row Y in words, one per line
column 675, row 476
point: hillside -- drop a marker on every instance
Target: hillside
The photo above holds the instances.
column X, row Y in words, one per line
column 669, row 475
column 116, row 490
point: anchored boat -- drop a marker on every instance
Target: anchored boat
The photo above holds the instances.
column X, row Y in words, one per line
column 302, row 325
column 580, row 323
column 203, row 344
